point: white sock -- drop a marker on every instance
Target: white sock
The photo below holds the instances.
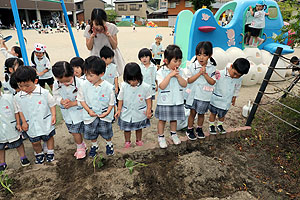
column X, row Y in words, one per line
column 51, row 151
column 109, row 143
column 220, row 123
column 95, row 144
column 211, row 123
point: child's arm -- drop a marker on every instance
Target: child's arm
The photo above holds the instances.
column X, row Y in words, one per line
column 251, row 10
column 149, row 107
column 24, row 123
column 182, row 82
column 53, row 115
column 118, row 113
column 111, row 104
column 106, row 113
column 81, row 99
column 237, row 88
column 116, row 85
column 165, row 82
column 3, row 45
column 18, row 124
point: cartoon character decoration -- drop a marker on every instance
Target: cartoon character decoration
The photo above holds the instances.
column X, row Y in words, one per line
column 205, row 17
column 231, row 37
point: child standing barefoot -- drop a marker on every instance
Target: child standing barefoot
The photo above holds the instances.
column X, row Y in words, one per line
column 170, row 94
column 134, row 106
column 65, row 93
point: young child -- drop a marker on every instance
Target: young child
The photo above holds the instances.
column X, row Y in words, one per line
column 10, row 66
column 134, row 107
column 111, row 74
column 148, row 70
column 249, row 19
column 201, row 77
column 36, row 107
column 9, row 136
column 258, row 23
column 77, row 64
column 295, row 60
column 15, row 51
column 41, row 62
column 65, row 93
column 227, row 86
column 170, row 94
column 98, row 99
column 157, row 49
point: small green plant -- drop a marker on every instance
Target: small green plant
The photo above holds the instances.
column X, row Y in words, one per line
column 130, row 164
column 6, row 182
column 98, row 160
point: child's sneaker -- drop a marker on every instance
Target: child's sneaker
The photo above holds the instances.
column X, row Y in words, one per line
column 200, row 133
column 220, row 129
column 110, row 150
column 127, row 145
column 80, row 153
column 212, row 130
column 24, row 161
column 39, row 159
column 175, row 139
column 3, row 167
column 139, row 143
column 190, row 134
column 50, row 157
column 93, row 151
column 162, row 142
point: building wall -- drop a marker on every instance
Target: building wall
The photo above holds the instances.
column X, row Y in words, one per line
column 175, row 6
column 89, row 5
column 40, row 5
column 137, row 9
column 162, row 4
column 80, row 17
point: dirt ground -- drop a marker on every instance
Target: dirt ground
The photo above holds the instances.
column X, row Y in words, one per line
column 220, row 169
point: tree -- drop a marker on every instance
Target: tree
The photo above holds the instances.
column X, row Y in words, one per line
column 111, row 15
column 200, row 3
column 153, row 3
column 287, row 8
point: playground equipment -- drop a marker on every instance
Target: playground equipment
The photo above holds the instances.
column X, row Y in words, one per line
column 151, row 25
column 20, row 33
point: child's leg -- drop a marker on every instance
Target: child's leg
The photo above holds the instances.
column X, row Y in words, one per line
column 2, row 156
column 50, row 144
column 173, row 126
column 161, row 127
column 255, row 41
column 200, row 120
column 51, row 87
column 212, row 118
column 37, row 147
column 77, row 138
column 251, row 41
column 138, row 135
column 220, row 128
column 127, row 135
column 191, row 118
column 21, row 151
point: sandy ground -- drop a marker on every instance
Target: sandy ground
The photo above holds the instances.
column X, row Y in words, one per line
column 60, row 48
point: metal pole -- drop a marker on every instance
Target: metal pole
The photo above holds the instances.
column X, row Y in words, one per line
column 264, row 85
column 69, row 27
column 19, row 31
column 295, row 81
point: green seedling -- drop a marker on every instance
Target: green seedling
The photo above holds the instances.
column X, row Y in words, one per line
column 98, row 160
column 130, row 164
column 6, row 182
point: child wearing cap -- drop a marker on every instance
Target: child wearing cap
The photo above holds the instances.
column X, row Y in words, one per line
column 41, row 62
column 157, row 49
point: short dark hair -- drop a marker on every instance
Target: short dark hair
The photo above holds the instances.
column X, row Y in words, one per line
column 18, row 51
column 132, row 72
column 144, row 52
column 172, row 51
column 11, row 63
column 98, row 15
column 25, row 74
column 32, row 57
column 77, row 62
column 13, row 82
column 0, row 84
column 95, row 65
column 106, row 52
column 241, row 65
column 295, row 59
column 62, row 69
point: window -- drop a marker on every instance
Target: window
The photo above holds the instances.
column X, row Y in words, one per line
column 134, row 7
column 78, row 6
column 122, row 7
column 172, row 5
column 273, row 12
column 188, row 4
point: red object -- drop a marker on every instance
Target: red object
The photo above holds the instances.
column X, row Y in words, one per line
column 102, row 95
column 206, row 29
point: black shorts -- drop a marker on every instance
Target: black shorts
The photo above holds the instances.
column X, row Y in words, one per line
column 247, row 28
column 157, row 61
column 255, row 32
column 49, row 81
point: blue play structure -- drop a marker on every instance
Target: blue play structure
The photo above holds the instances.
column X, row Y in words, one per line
column 206, row 27
column 20, row 33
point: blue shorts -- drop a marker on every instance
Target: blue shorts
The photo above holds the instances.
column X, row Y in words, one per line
column 75, row 128
column 170, row 113
column 45, row 138
column 96, row 128
column 201, row 107
column 11, row 145
column 217, row 111
column 153, row 97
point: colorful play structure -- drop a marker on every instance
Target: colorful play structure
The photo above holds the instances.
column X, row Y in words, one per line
column 20, row 32
column 151, row 25
column 228, row 40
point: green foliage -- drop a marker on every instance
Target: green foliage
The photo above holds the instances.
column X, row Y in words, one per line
column 111, row 15
column 287, row 8
column 6, row 182
column 153, row 3
column 98, row 161
column 200, row 3
column 130, row 164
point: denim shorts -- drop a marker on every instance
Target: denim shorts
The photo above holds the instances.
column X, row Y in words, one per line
column 201, row 107
column 75, row 128
column 11, row 145
column 45, row 138
column 217, row 111
column 96, row 128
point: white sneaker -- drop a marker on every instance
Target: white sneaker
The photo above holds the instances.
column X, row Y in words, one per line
column 162, row 142
column 175, row 139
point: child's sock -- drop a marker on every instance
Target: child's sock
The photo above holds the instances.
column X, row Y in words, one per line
column 199, row 127
column 173, row 133
column 109, row 143
column 80, row 146
column 211, row 123
column 1, row 164
column 161, row 136
column 23, row 157
column 38, row 154
column 220, row 123
column 190, row 127
column 51, row 151
column 94, row 144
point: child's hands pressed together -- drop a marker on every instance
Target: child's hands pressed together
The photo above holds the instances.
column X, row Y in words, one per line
column 103, row 115
column 174, row 72
column 19, row 127
column 117, row 115
column 92, row 113
column 25, row 126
